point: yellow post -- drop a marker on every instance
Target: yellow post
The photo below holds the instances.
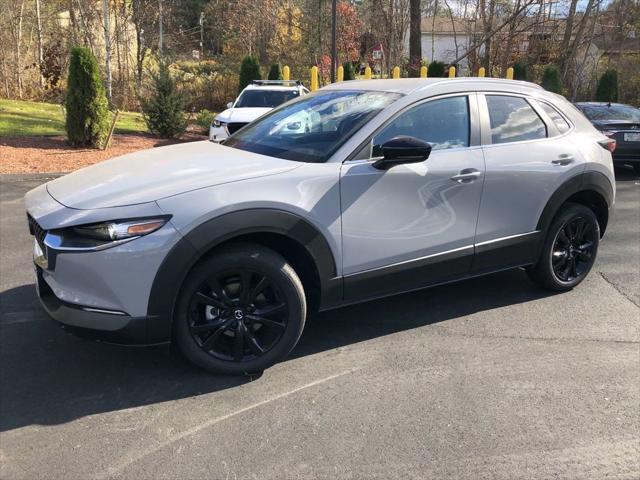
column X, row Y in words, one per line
column 314, row 78
column 481, row 72
column 340, row 75
column 452, row 72
column 423, row 72
column 510, row 73
column 367, row 73
column 286, row 72
column 396, row 72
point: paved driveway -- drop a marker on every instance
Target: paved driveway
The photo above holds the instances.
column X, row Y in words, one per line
column 489, row 378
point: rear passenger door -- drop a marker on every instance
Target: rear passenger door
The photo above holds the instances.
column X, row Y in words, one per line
column 528, row 155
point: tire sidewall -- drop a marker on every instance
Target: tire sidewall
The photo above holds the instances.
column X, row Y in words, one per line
column 257, row 259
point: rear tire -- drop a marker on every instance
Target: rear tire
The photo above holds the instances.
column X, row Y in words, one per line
column 569, row 249
column 636, row 168
column 239, row 311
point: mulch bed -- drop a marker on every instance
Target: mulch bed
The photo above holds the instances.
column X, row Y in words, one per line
column 52, row 154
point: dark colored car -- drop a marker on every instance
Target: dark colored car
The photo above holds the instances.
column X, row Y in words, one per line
column 621, row 123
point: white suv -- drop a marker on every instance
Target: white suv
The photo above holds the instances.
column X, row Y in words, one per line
column 253, row 102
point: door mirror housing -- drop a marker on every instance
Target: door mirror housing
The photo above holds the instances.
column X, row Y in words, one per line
column 230, row 104
column 402, row 149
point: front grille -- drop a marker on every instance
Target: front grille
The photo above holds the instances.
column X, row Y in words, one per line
column 234, row 127
column 37, row 231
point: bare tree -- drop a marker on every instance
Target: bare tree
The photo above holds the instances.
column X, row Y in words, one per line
column 415, row 38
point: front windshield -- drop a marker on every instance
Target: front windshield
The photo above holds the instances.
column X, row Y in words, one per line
column 314, row 127
column 613, row 112
column 264, row 98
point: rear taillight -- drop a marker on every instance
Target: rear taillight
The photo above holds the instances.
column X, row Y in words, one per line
column 608, row 144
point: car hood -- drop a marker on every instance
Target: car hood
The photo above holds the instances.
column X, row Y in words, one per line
column 242, row 115
column 157, row 173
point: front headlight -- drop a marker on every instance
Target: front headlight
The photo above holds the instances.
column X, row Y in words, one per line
column 119, row 230
column 217, row 123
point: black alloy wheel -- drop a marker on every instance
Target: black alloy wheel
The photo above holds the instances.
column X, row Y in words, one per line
column 237, row 315
column 240, row 310
column 570, row 249
column 573, row 249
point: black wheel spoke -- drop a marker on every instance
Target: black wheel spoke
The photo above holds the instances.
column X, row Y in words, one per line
column 204, row 299
column 238, row 343
column 207, row 327
column 563, row 237
column 254, row 345
column 269, row 310
column 262, row 284
column 211, row 340
column 245, row 287
column 267, row 322
column 218, row 289
column 573, row 272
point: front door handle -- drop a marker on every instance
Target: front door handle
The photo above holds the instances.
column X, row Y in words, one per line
column 467, row 175
column 564, row 159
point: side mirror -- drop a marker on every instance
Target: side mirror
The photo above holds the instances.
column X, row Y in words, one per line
column 230, row 104
column 402, row 149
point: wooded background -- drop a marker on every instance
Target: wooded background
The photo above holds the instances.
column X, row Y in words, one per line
column 582, row 38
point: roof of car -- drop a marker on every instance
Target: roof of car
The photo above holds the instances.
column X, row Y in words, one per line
column 409, row 85
column 272, row 85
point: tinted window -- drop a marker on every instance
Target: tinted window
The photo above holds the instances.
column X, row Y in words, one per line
column 611, row 112
column 513, row 120
column 444, row 123
column 561, row 124
column 264, row 98
column 312, row 128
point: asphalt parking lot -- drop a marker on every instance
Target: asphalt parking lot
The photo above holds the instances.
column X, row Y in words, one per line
column 488, row 378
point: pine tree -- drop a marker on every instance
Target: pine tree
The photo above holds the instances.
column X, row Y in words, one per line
column 163, row 110
column 249, row 71
column 607, row 90
column 87, row 120
column 520, row 70
column 275, row 72
column 551, row 79
column 349, row 71
column 436, row 69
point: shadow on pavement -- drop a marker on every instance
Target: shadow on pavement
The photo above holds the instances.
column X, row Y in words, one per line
column 48, row 376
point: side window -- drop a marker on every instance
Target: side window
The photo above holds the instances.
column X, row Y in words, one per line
column 561, row 124
column 444, row 123
column 513, row 120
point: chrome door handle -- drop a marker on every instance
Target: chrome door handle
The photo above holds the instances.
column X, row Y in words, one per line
column 564, row 159
column 467, row 175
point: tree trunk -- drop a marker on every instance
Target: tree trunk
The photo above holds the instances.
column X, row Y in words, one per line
column 17, row 46
column 415, row 39
column 39, row 31
column 566, row 38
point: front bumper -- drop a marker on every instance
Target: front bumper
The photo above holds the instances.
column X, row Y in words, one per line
column 103, row 293
column 218, row 134
column 108, row 326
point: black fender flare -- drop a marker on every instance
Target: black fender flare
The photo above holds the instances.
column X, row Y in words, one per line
column 206, row 236
column 585, row 181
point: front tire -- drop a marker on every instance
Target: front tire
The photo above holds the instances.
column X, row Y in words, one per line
column 240, row 310
column 569, row 250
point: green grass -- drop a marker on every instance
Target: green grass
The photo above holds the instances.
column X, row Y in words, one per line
column 22, row 119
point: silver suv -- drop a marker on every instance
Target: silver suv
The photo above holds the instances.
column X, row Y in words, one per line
column 360, row 190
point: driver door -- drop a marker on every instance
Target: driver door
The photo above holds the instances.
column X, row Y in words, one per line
column 414, row 224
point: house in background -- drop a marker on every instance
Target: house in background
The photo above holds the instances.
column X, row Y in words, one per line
column 445, row 39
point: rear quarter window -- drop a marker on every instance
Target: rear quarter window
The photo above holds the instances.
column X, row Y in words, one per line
column 558, row 120
column 513, row 120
